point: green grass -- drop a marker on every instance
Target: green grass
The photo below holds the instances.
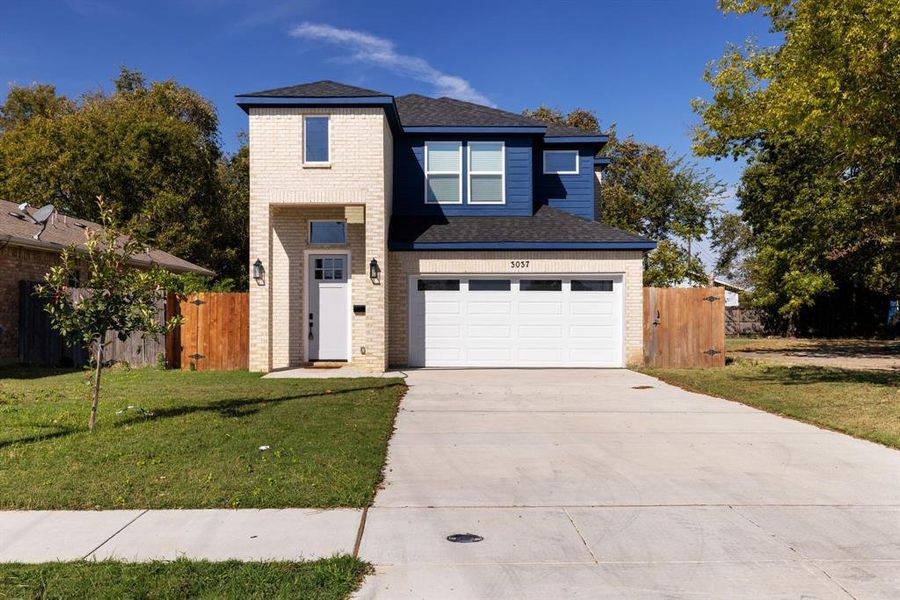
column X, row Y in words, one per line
column 190, row 440
column 326, row 579
column 848, row 346
column 864, row 404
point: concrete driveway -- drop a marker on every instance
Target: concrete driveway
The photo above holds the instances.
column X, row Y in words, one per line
column 594, row 484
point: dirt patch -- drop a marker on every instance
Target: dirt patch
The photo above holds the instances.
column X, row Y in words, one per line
column 844, row 354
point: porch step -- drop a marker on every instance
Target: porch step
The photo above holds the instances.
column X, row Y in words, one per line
column 325, row 364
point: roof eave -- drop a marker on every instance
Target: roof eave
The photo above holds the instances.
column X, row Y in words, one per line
column 408, row 246
column 471, row 129
column 54, row 247
column 577, row 139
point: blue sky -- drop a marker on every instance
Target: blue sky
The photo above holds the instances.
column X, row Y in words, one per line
column 636, row 63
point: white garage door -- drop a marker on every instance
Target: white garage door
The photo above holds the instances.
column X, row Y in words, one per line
column 573, row 321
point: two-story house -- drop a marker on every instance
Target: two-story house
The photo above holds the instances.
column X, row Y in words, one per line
column 415, row 231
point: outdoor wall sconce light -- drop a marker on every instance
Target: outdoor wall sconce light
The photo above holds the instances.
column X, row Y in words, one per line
column 374, row 271
column 259, row 273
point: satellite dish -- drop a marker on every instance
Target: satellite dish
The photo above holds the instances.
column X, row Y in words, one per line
column 23, row 206
column 42, row 214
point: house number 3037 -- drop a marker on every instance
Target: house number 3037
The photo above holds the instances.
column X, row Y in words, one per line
column 519, row 264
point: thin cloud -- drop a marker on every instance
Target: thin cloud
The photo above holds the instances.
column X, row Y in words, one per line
column 379, row 51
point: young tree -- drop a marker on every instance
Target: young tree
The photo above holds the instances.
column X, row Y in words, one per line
column 121, row 298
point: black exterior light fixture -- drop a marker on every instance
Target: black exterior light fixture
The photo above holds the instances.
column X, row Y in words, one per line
column 374, row 271
column 259, row 273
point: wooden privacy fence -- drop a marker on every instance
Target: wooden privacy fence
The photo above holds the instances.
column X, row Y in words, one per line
column 41, row 345
column 684, row 327
column 214, row 334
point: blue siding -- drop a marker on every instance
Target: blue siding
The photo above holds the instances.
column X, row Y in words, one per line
column 571, row 193
column 409, row 177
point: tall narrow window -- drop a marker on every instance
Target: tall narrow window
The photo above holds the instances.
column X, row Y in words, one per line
column 316, row 149
column 561, row 162
column 443, row 172
column 486, row 171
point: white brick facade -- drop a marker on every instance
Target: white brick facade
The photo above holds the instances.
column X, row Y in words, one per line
column 284, row 195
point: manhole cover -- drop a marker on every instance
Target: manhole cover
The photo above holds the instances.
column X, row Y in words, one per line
column 464, row 538
column 642, row 387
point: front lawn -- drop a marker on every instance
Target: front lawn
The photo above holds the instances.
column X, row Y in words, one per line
column 172, row 439
column 326, row 579
column 865, row 404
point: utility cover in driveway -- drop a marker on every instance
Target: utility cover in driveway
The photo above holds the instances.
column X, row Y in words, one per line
column 521, row 321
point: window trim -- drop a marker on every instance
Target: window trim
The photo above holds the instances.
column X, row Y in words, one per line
column 501, row 172
column 459, row 173
column 577, row 161
column 316, row 163
column 309, row 232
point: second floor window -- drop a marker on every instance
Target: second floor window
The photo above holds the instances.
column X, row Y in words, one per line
column 316, row 150
column 443, row 172
column 486, row 185
column 561, row 162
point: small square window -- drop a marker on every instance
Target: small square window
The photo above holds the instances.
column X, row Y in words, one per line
column 316, row 148
column 327, row 232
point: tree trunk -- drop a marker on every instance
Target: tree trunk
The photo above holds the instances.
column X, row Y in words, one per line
column 97, row 371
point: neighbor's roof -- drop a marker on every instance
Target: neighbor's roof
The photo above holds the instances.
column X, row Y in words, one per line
column 317, row 89
column 548, row 228
column 62, row 231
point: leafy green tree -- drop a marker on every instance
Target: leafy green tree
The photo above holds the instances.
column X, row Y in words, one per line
column 152, row 150
column 647, row 191
column 818, row 118
column 120, row 298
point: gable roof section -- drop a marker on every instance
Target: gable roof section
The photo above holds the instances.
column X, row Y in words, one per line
column 548, row 229
column 63, row 231
column 316, row 89
column 422, row 111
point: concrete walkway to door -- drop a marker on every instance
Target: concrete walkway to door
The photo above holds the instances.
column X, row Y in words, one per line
column 592, row 484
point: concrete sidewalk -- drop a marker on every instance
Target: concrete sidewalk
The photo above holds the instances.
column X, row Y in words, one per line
column 135, row 535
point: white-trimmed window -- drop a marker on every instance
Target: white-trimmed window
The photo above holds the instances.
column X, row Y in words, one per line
column 316, row 140
column 561, row 162
column 443, row 172
column 487, row 183
column 328, row 232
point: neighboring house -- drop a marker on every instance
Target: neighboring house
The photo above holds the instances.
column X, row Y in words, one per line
column 415, row 231
column 732, row 291
column 28, row 250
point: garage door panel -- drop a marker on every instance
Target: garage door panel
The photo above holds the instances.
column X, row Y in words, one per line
column 495, row 307
column 487, row 325
column 540, row 308
column 503, row 332
column 598, row 333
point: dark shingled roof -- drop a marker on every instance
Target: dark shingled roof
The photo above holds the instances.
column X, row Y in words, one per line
column 318, row 89
column 556, row 130
column 63, row 231
column 422, row 111
column 547, row 225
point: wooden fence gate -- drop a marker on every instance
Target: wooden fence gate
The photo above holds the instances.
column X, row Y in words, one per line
column 684, row 327
column 214, row 335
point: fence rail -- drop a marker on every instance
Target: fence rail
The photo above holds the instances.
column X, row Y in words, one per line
column 684, row 327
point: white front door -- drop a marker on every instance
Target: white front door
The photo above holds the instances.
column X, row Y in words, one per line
column 516, row 321
column 328, row 327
